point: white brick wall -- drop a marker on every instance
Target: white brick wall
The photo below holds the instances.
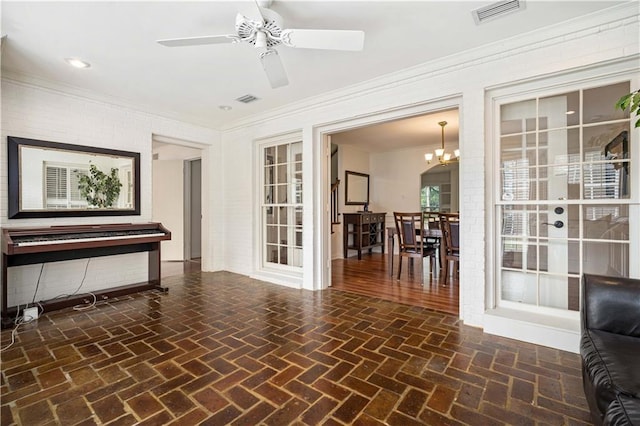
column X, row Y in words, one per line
column 36, row 113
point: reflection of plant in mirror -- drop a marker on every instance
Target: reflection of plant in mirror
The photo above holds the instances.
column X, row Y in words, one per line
column 631, row 101
column 98, row 188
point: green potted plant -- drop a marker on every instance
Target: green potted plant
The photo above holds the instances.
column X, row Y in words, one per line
column 631, row 101
column 99, row 189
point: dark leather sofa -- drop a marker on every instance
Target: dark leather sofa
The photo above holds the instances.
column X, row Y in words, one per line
column 610, row 348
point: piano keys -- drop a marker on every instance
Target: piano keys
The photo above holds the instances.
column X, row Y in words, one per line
column 28, row 246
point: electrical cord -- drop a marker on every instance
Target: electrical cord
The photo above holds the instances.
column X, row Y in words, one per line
column 18, row 322
column 89, row 306
column 37, row 284
column 81, row 307
column 84, row 276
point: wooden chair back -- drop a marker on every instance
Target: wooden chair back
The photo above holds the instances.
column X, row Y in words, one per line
column 431, row 220
column 411, row 243
column 409, row 227
column 450, row 227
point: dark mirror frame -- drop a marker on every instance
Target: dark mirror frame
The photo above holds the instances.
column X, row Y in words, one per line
column 15, row 191
column 355, row 202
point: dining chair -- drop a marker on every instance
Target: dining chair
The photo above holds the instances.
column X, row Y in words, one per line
column 450, row 227
column 431, row 221
column 411, row 244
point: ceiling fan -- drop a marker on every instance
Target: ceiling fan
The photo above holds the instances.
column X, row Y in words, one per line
column 266, row 32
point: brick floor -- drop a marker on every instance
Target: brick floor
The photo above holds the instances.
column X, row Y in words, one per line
column 221, row 348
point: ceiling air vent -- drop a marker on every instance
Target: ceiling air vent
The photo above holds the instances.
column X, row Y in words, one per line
column 246, row 99
column 496, row 10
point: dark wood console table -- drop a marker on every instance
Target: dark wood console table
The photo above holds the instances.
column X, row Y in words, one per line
column 363, row 231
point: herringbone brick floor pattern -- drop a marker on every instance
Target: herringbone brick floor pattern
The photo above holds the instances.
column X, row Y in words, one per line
column 220, row 349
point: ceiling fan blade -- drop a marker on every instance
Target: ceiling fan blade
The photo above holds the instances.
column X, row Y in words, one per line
column 273, row 68
column 323, row 39
column 196, row 41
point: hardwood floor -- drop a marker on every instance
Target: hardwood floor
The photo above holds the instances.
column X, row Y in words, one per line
column 370, row 277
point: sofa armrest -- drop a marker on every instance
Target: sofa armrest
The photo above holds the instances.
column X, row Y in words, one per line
column 611, row 304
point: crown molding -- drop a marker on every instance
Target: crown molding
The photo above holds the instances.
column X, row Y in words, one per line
column 57, row 87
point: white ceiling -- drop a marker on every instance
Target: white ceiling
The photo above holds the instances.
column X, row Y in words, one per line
column 190, row 83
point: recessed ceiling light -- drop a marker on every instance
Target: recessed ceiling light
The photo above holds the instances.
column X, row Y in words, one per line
column 225, row 107
column 570, row 112
column 77, row 63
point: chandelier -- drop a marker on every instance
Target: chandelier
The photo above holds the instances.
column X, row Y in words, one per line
column 443, row 157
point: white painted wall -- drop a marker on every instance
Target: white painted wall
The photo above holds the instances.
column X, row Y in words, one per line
column 168, row 207
column 397, row 177
column 34, row 112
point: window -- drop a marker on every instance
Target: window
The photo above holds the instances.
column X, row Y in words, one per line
column 61, row 186
column 430, row 198
column 282, row 205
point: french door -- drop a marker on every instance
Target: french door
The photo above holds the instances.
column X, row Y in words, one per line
column 281, row 205
column 562, row 202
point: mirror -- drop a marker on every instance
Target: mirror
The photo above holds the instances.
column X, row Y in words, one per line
column 50, row 179
column 356, row 188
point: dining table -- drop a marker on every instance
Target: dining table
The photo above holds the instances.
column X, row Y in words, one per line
column 434, row 233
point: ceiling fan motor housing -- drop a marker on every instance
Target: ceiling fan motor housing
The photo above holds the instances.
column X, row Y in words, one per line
column 248, row 29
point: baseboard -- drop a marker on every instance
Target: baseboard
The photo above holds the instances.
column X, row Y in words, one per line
column 555, row 332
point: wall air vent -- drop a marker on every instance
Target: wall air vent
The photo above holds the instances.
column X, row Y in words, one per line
column 496, row 10
column 247, row 99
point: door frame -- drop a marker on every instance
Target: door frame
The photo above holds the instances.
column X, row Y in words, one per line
column 558, row 329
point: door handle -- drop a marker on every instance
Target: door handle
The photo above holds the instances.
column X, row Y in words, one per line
column 558, row 224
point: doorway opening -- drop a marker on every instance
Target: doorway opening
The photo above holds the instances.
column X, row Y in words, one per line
column 176, row 202
column 392, row 152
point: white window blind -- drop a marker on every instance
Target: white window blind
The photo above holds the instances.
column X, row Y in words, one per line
column 61, row 186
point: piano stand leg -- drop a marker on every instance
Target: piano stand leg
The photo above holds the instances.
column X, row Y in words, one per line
column 7, row 321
